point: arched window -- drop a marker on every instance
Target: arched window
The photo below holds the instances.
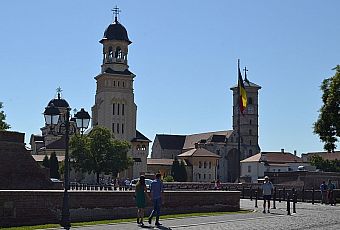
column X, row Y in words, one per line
column 138, row 147
column 143, row 147
column 118, row 53
column 110, row 54
column 200, row 164
column 250, row 122
column 209, row 165
column 250, row 100
column 205, row 164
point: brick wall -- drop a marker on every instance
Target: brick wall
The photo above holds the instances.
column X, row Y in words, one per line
column 19, row 208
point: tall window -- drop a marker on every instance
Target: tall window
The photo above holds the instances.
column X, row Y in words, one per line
column 209, row 165
column 250, row 132
column 113, row 108
column 113, row 127
column 117, row 127
column 249, row 168
column 205, row 165
column 118, row 105
column 200, row 164
column 123, row 109
column 250, row 100
column 249, row 122
column 122, row 128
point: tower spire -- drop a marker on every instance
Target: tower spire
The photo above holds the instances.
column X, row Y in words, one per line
column 116, row 12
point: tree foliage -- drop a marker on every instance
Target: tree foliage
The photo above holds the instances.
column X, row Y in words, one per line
column 99, row 153
column 54, row 166
column 3, row 124
column 325, row 165
column 46, row 162
column 178, row 171
column 327, row 125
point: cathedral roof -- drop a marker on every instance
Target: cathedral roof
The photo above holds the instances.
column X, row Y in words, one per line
column 116, row 31
column 171, row 141
column 200, row 152
column 59, row 102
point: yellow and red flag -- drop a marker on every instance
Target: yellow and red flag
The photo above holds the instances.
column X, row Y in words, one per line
column 242, row 92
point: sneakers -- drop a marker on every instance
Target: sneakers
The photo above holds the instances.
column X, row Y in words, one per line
column 264, row 211
column 141, row 224
column 268, row 211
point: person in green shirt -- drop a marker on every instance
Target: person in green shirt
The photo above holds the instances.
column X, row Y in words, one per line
column 140, row 195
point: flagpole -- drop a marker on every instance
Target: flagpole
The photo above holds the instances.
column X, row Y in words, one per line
column 239, row 123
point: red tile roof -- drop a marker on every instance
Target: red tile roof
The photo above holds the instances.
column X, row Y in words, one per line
column 273, row 157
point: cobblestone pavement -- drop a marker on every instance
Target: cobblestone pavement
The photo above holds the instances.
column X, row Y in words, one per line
column 308, row 216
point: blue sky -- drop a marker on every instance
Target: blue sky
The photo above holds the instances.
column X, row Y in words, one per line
column 184, row 54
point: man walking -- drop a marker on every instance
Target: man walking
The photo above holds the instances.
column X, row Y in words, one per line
column 323, row 190
column 156, row 194
column 267, row 189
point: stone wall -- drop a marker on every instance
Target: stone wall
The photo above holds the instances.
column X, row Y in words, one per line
column 18, row 208
column 18, row 169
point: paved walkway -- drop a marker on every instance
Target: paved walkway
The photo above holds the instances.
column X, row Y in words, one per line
column 308, row 216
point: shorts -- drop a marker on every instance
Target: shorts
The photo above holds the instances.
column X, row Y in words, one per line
column 267, row 197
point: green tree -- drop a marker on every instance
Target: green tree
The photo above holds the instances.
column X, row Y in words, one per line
column 183, row 172
column 3, row 124
column 99, row 153
column 178, row 171
column 325, row 165
column 327, row 125
column 46, row 162
column 54, row 166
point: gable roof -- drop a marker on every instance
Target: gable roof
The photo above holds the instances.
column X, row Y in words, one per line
column 58, row 144
column 159, row 161
column 140, row 137
column 217, row 136
column 200, row 152
column 171, row 141
column 324, row 155
column 274, row 157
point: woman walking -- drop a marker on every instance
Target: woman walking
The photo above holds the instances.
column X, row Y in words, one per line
column 140, row 194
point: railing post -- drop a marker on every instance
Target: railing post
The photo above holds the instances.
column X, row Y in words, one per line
column 274, row 199
column 284, row 194
column 251, row 193
column 242, row 192
column 313, row 191
column 294, row 201
column 303, row 194
column 288, row 204
column 279, row 196
column 256, row 197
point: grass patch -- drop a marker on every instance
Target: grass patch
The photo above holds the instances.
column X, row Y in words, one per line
column 172, row 216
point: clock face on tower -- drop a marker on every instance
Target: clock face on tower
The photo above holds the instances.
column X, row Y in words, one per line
column 250, row 109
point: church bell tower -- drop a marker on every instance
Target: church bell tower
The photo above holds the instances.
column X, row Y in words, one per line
column 249, row 120
column 114, row 106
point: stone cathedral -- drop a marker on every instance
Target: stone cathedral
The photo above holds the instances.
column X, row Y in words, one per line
column 114, row 106
column 222, row 143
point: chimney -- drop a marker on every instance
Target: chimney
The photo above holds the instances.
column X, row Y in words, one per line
column 282, row 150
column 294, row 152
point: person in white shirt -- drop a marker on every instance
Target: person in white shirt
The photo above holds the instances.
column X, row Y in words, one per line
column 267, row 189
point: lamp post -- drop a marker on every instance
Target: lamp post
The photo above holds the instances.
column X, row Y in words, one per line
column 52, row 115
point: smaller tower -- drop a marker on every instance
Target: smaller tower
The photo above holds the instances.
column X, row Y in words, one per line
column 249, row 120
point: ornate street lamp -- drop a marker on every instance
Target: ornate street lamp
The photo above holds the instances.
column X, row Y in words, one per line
column 82, row 120
column 52, row 115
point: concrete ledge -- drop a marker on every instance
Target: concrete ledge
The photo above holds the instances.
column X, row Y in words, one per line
column 18, row 208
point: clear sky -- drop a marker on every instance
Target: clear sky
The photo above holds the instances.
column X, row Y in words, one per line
column 184, row 54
